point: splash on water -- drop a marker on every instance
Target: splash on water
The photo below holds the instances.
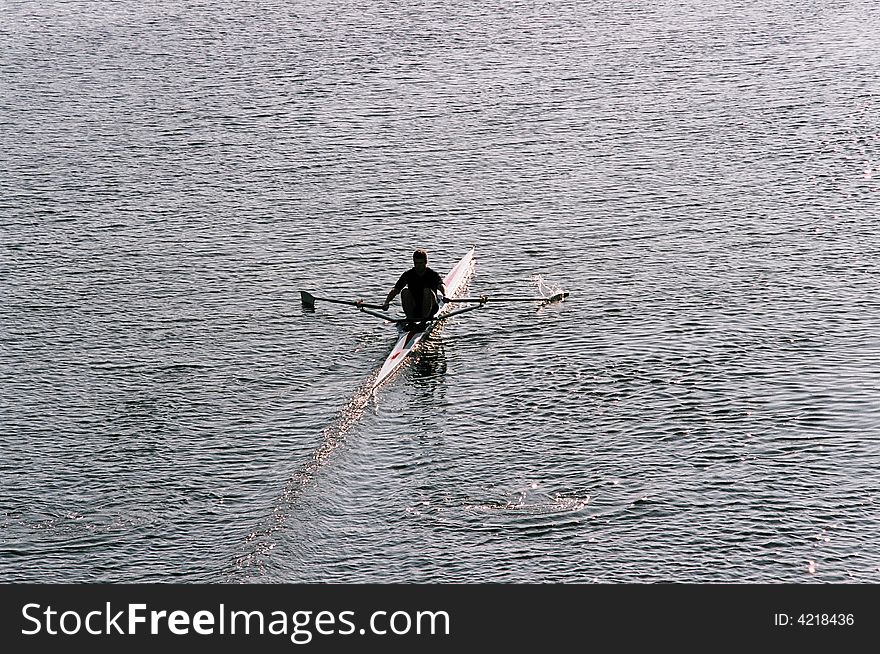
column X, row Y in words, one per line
column 543, row 287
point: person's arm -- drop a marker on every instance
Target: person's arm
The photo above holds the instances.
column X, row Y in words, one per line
column 391, row 295
column 398, row 287
column 440, row 286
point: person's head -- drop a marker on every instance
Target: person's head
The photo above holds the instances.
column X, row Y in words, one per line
column 420, row 259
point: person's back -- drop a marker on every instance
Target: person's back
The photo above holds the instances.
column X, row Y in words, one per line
column 421, row 290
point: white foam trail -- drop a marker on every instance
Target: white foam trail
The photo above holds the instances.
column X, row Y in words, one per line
column 261, row 541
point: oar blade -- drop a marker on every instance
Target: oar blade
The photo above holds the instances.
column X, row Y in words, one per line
column 308, row 301
column 558, row 297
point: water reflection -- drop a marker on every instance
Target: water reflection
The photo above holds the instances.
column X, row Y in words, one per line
column 429, row 365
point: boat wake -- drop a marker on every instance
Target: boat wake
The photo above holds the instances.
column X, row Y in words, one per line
column 261, row 542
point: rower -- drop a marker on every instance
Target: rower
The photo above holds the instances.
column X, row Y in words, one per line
column 421, row 291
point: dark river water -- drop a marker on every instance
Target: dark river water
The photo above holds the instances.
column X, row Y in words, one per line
column 703, row 178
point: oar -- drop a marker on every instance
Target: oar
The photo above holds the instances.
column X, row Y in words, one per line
column 485, row 299
column 455, row 313
column 406, row 320
column 308, row 301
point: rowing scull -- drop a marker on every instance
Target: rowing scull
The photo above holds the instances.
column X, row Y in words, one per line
column 455, row 283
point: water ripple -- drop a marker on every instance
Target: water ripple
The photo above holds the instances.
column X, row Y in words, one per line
column 700, row 177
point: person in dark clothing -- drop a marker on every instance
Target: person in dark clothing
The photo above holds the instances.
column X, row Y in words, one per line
column 421, row 290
